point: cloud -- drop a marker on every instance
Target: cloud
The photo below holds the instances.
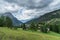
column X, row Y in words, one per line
column 7, row 7
column 32, row 4
column 25, row 10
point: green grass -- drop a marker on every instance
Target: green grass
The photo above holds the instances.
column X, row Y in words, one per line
column 54, row 34
column 8, row 34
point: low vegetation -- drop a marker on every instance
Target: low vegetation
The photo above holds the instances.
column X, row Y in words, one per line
column 19, row 34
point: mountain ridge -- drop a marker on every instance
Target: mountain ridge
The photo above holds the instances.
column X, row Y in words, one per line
column 46, row 17
column 15, row 21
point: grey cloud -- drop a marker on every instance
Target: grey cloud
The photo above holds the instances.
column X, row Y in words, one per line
column 31, row 4
column 40, row 6
column 7, row 7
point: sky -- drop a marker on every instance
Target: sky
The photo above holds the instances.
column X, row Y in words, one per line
column 26, row 10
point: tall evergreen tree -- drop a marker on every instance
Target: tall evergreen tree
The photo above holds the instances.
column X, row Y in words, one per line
column 23, row 26
column 8, row 22
column 33, row 26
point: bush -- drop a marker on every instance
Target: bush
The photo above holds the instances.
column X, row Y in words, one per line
column 15, row 28
column 44, row 28
column 33, row 26
column 23, row 26
column 55, row 28
column 5, row 21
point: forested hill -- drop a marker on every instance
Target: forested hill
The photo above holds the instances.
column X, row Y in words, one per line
column 46, row 17
column 15, row 21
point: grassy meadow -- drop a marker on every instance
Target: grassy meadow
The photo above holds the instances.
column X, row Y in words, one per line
column 19, row 34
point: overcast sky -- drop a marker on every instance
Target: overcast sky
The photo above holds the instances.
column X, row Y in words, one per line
column 25, row 10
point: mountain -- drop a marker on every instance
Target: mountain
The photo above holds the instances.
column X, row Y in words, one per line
column 47, row 17
column 15, row 21
column 54, row 21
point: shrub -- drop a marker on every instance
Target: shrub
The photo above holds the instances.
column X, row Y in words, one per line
column 55, row 28
column 33, row 26
column 23, row 26
column 44, row 28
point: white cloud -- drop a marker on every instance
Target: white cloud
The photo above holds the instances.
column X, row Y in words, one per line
column 28, row 9
column 8, row 7
column 55, row 2
column 26, row 14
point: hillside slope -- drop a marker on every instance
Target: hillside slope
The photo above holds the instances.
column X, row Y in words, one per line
column 46, row 17
column 54, row 21
column 8, row 34
column 15, row 21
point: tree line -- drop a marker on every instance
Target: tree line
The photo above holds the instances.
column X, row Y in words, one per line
column 43, row 27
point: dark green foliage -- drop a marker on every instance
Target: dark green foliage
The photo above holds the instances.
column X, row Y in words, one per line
column 42, row 23
column 8, row 22
column 15, row 28
column 55, row 28
column 44, row 28
column 2, row 21
column 33, row 26
column 23, row 26
column 5, row 22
